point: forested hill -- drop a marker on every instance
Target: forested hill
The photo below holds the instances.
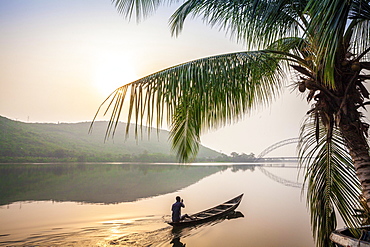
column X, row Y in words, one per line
column 48, row 142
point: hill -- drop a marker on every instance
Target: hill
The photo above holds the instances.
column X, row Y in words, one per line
column 49, row 142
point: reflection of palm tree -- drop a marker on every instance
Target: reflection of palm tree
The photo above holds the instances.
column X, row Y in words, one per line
column 326, row 43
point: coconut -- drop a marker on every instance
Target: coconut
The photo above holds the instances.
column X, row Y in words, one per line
column 356, row 66
column 301, row 87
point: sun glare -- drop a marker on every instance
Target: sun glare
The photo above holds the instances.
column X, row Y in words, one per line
column 112, row 71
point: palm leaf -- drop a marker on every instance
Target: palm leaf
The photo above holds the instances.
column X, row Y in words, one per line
column 360, row 26
column 360, row 10
column 331, row 180
column 327, row 27
column 199, row 95
column 138, row 8
column 255, row 23
column 185, row 132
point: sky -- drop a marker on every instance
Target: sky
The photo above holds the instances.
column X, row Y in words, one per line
column 61, row 59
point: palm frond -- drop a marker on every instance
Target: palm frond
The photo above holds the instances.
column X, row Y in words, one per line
column 360, row 10
column 199, row 95
column 255, row 23
column 185, row 132
column 360, row 15
column 327, row 27
column 331, row 180
column 288, row 44
column 293, row 49
column 138, row 8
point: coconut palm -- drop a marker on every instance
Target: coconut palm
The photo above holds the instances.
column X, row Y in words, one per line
column 325, row 44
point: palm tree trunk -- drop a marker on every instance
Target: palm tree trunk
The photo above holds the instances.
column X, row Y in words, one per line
column 359, row 151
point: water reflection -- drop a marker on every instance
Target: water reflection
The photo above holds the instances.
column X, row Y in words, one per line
column 280, row 180
column 95, row 183
column 271, row 209
column 176, row 242
column 169, row 235
column 106, row 183
column 178, row 233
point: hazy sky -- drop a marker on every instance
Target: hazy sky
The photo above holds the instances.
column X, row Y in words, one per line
column 61, row 59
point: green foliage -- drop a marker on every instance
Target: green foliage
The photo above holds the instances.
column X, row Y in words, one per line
column 255, row 23
column 236, row 83
column 330, row 179
column 34, row 142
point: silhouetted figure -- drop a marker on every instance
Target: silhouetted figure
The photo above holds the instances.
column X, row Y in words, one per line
column 176, row 210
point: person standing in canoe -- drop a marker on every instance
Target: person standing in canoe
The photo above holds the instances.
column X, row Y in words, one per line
column 176, row 210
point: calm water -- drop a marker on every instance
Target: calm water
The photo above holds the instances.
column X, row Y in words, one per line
column 127, row 204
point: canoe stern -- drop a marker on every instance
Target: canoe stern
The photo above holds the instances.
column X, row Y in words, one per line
column 343, row 238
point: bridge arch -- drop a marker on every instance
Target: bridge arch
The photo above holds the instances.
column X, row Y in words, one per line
column 276, row 146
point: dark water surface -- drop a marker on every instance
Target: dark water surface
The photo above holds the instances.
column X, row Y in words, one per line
column 128, row 204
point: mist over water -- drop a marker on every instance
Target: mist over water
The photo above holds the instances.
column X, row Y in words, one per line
column 128, row 204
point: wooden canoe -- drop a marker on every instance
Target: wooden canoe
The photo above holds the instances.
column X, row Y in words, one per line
column 210, row 214
column 344, row 238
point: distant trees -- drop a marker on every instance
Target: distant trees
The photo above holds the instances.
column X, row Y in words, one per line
column 235, row 157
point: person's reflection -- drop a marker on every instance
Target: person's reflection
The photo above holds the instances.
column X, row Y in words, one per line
column 178, row 232
column 176, row 242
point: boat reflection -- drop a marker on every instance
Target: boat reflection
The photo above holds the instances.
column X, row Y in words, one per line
column 179, row 233
column 235, row 215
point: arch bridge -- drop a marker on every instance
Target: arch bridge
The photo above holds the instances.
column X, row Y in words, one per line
column 271, row 175
column 276, row 146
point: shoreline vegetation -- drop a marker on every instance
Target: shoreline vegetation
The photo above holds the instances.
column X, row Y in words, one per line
column 22, row 142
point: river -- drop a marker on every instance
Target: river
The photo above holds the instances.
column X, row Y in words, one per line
column 127, row 205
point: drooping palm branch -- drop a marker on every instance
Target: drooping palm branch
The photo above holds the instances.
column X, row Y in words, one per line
column 254, row 23
column 140, row 9
column 330, row 178
column 331, row 22
column 199, row 95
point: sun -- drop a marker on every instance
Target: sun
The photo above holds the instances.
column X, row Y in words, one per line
column 113, row 70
